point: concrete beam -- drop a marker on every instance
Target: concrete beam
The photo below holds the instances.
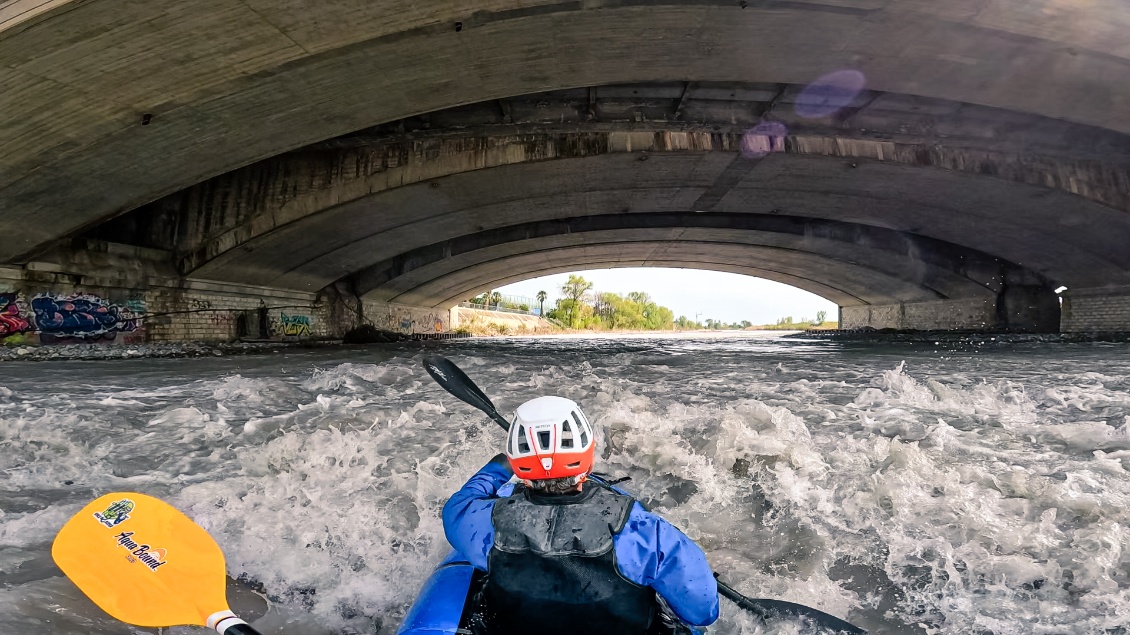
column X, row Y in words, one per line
column 915, row 268
column 1062, row 237
column 761, row 264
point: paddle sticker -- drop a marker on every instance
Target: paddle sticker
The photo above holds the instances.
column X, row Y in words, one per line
column 116, row 513
column 437, row 371
column 145, row 554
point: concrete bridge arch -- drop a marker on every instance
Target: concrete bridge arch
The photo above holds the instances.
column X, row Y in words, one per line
column 267, row 145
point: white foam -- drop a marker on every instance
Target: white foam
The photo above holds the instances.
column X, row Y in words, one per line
column 994, row 500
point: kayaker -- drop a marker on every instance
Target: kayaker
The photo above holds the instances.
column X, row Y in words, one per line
column 564, row 556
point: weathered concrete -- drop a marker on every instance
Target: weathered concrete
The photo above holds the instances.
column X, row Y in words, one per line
column 229, row 82
column 848, row 263
column 928, row 216
column 117, row 294
column 308, row 219
column 970, row 314
column 328, row 149
column 47, row 304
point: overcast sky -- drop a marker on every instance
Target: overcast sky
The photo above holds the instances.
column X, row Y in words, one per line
column 728, row 297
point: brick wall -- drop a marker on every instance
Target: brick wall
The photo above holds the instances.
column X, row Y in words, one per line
column 44, row 307
column 1096, row 310
column 211, row 312
column 975, row 313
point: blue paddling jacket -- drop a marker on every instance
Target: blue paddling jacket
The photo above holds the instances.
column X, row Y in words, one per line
column 503, row 530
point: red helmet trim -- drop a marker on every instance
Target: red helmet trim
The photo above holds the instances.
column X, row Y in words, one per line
column 564, row 465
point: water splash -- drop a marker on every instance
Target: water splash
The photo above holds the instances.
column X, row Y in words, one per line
column 974, row 493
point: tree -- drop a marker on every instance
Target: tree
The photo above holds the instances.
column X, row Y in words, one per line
column 639, row 297
column 542, row 295
column 746, row 324
column 820, row 315
column 576, row 290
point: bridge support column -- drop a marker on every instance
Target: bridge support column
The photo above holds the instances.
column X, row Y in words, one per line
column 940, row 315
column 1022, row 308
column 1100, row 310
column 1028, row 309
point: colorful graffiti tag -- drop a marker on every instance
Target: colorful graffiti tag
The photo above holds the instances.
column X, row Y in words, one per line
column 294, row 325
column 12, row 321
column 407, row 320
column 80, row 317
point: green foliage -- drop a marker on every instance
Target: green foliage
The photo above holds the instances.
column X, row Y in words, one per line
column 687, row 324
column 580, row 309
column 635, row 311
column 576, row 290
column 820, row 317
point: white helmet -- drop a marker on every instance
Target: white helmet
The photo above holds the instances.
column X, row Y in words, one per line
column 550, row 438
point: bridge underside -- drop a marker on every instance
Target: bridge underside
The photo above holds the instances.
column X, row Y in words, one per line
column 324, row 153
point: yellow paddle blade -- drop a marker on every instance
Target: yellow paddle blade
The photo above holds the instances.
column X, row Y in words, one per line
column 142, row 561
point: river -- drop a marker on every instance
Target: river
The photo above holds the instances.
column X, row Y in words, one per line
column 956, row 488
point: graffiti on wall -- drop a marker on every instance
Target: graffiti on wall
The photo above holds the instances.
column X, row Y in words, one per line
column 406, row 319
column 80, row 317
column 294, row 325
column 12, row 321
column 51, row 318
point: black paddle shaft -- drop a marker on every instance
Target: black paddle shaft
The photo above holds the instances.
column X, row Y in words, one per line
column 241, row 629
column 452, row 379
column 766, row 609
column 456, row 382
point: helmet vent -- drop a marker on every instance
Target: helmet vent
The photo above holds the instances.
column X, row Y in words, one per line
column 566, row 435
column 523, row 447
column 581, row 426
column 543, row 439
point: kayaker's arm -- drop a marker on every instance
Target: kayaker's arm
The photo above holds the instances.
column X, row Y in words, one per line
column 652, row 552
column 467, row 514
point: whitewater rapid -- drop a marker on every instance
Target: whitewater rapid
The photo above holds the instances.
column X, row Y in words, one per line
column 910, row 489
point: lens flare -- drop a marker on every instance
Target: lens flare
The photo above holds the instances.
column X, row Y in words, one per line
column 829, row 94
column 765, row 137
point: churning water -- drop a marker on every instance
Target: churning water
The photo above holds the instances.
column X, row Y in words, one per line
column 911, row 490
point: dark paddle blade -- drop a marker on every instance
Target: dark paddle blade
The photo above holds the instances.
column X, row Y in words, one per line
column 766, row 609
column 456, row 382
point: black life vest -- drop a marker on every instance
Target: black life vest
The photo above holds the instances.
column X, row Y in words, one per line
column 552, row 570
